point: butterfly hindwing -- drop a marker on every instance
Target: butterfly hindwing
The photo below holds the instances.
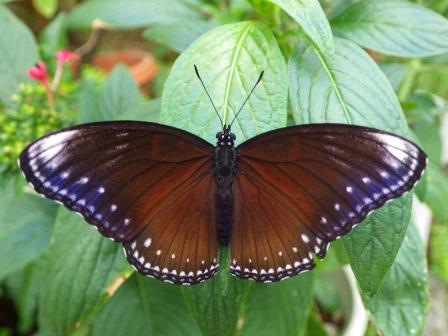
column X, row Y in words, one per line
column 180, row 245
column 122, row 177
column 299, row 188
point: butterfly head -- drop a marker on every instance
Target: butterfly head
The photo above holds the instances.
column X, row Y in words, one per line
column 226, row 137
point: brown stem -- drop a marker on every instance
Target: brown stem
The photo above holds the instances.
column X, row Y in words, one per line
column 91, row 42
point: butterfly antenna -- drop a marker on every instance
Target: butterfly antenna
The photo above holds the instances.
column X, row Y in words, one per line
column 197, row 74
column 247, row 98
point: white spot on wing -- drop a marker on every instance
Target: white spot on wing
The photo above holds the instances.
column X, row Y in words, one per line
column 147, row 242
column 304, row 238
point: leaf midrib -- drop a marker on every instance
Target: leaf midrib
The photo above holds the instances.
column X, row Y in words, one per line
column 332, row 78
column 234, row 58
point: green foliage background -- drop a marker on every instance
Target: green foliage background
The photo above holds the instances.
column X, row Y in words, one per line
column 66, row 279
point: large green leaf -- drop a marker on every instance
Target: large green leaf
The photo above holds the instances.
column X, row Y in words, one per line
column 400, row 305
column 145, row 306
column 354, row 90
column 83, row 269
column 128, row 14
column 25, row 229
column 18, row 52
column 394, row 27
column 177, row 35
column 372, row 246
column 280, row 308
column 230, row 58
column 312, row 19
column 216, row 303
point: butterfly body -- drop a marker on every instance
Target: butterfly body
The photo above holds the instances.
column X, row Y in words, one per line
column 224, row 166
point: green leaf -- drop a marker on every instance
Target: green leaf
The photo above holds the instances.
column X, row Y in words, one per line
column 230, row 58
column 216, row 303
column 422, row 113
column 372, row 246
column 18, row 52
column 145, row 306
column 393, row 27
column 395, row 72
column 177, row 35
column 312, row 19
column 439, row 251
column 54, row 36
column 279, row 308
column 354, row 90
column 128, row 14
column 83, row 269
column 25, row 230
column 119, row 94
column 315, row 325
column 89, row 109
column 145, row 111
column 46, row 7
column 328, row 292
column 400, row 305
column 436, row 192
column 24, row 287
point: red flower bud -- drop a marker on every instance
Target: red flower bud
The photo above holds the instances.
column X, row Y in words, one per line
column 39, row 72
column 64, row 56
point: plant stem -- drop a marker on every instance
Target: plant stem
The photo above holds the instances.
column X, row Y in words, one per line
column 50, row 96
column 408, row 82
column 91, row 42
column 57, row 75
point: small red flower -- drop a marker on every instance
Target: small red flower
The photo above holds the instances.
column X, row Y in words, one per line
column 39, row 72
column 64, row 56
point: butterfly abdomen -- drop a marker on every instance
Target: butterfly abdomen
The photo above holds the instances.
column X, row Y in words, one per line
column 224, row 167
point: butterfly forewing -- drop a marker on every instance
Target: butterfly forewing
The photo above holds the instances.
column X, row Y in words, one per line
column 132, row 180
column 301, row 187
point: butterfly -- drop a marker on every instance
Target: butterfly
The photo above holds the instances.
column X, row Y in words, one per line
column 172, row 198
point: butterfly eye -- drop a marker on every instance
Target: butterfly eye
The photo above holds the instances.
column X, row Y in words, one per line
column 218, row 135
column 233, row 136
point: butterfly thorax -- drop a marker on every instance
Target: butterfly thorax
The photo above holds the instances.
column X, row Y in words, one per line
column 224, row 165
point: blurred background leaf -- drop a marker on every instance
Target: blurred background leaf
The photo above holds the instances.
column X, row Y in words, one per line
column 128, row 14
column 394, row 27
column 26, row 223
column 18, row 51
